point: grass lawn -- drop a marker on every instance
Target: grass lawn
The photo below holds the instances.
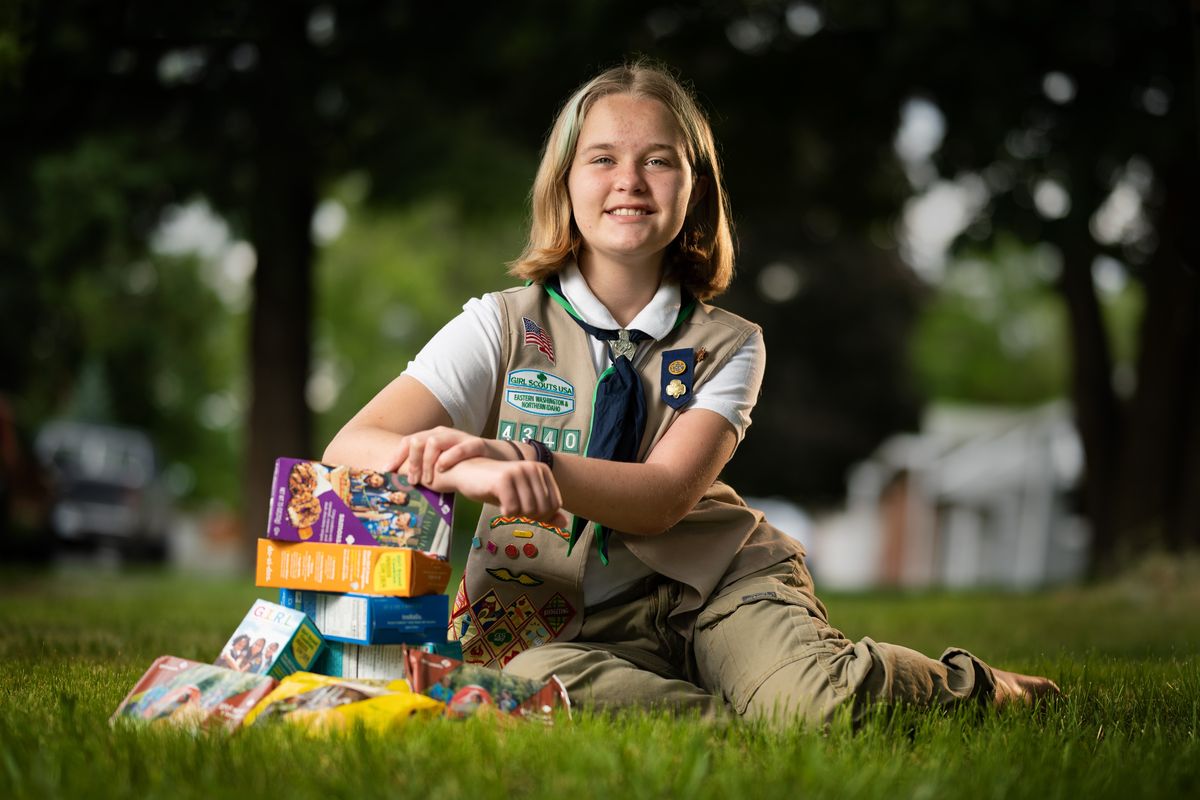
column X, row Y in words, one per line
column 1126, row 653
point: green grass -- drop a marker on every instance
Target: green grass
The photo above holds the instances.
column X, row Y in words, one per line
column 1126, row 653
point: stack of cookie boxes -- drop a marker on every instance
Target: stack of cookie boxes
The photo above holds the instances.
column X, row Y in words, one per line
column 366, row 557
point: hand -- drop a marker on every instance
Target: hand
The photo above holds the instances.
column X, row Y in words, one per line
column 519, row 488
column 421, row 454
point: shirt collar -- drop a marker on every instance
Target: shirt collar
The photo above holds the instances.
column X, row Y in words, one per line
column 656, row 319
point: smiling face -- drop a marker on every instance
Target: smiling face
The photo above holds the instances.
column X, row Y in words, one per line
column 630, row 183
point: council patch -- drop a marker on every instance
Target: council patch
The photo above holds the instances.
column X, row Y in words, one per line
column 539, row 393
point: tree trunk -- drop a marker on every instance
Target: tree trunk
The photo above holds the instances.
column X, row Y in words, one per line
column 279, row 422
column 1143, row 462
column 1158, row 499
column 1097, row 409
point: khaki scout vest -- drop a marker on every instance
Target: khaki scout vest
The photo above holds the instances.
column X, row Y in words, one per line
column 520, row 588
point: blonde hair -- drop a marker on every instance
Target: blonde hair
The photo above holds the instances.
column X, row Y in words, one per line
column 701, row 256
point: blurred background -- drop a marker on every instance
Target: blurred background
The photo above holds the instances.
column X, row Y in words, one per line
column 969, row 231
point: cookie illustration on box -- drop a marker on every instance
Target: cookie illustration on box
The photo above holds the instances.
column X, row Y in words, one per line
column 311, row 501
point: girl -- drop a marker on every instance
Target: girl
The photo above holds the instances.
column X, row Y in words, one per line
column 592, row 410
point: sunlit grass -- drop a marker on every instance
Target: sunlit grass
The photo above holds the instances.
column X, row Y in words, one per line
column 1126, row 654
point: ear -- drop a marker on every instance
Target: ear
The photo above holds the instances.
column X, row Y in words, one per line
column 699, row 189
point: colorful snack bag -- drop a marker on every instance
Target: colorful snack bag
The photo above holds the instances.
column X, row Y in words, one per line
column 176, row 691
column 320, row 702
column 468, row 689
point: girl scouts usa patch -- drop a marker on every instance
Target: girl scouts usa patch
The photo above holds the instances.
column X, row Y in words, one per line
column 540, row 393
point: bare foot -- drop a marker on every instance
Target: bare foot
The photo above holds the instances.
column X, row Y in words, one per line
column 1013, row 687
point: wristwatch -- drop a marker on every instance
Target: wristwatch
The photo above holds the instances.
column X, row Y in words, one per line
column 541, row 451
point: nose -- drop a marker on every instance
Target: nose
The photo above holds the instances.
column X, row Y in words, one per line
column 629, row 178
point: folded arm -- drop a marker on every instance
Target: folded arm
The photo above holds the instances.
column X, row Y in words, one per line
column 375, row 436
column 648, row 498
column 405, row 428
column 405, row 419
column 638, row 498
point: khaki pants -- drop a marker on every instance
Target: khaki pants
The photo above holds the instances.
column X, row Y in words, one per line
column 762, row 649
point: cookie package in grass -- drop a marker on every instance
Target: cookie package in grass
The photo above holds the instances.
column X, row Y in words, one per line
column 468, row 690
column 184, row 693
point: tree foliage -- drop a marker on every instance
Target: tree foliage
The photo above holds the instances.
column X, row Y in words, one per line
column 121, row 111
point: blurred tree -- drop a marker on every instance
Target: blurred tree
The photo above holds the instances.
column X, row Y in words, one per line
column 994, row 317
column 1084, row 127
column 265, row 108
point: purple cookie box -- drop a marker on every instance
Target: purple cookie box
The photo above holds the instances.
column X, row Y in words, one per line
column 356, row 506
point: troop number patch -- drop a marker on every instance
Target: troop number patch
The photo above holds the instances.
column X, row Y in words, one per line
column 539, row 393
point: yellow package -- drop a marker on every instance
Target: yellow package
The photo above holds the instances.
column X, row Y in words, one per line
column 321, row 702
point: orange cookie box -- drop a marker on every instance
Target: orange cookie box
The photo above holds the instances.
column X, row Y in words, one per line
column 349, row 568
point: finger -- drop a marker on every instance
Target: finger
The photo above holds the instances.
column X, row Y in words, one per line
column 528, row 494
column 560, row 519
column 433, row 449
column 547, row 491
column 400, row 456
column 415, row 451
column 471, row 448
column 552, row 491
column 543, row 498
column 506, row 493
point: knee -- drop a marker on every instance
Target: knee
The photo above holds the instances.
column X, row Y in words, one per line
column 801, row 692
column 541, row 663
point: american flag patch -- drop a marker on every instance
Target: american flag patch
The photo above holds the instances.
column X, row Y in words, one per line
column 535, row 335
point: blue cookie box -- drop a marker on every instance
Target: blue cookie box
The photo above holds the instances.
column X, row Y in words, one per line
column 370, row 619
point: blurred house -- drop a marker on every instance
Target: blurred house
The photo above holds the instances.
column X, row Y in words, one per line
column 980, row 497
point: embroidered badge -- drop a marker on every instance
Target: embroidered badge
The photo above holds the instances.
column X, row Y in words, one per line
column 460, row 600
column 536, row 335
column 539, row 393
column 550, row 437
column 476, row 653
column 504, row 631
column 701, row 354
column 510, row 654
column 570, row 440
column 557, row 612
column 534, row 634
column 678, row 372
column 520, row 610
column 496, row 522
column 500, row 637
column 487, row 610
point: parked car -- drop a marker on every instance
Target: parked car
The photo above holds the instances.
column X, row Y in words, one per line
column 107, row 487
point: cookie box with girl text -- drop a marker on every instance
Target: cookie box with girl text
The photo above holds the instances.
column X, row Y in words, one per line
column 272, row 640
